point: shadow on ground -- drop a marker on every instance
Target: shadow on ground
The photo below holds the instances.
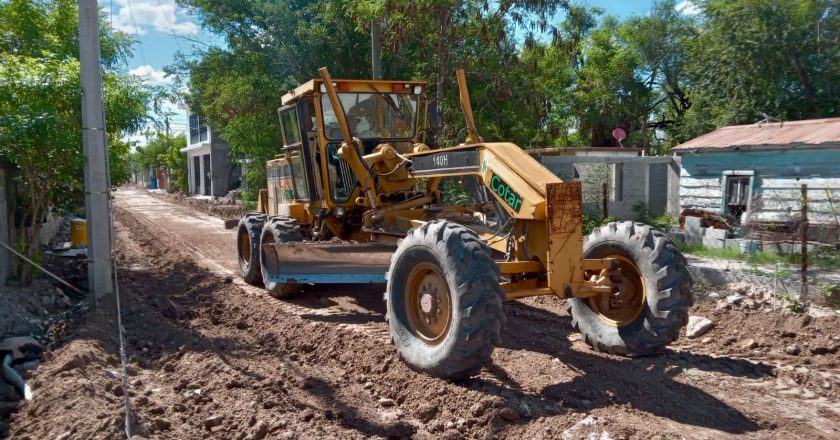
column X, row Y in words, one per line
column 648, row 384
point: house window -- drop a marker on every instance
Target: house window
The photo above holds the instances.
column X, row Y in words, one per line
column 737, row 195
column 198, row 129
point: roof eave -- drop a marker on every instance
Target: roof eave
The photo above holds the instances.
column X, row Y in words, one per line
column 762, row 147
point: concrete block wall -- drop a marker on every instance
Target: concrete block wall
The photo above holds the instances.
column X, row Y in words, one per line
column 220, row 166
column 654, row 181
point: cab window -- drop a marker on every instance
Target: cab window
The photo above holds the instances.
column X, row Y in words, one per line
column 341, row 177
column 289, row 124
column 294, row 151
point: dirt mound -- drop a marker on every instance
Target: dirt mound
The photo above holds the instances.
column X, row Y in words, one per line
column 224, row 208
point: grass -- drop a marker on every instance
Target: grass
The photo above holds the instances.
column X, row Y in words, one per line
column 822, row 258
column 735, row 254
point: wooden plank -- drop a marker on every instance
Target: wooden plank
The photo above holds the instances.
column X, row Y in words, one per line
column 814, row 183
column 695, row 205
column 694, row 182
column 786, row 205
column 703, row 193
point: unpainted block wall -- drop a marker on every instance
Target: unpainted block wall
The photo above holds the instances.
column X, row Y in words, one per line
column 220, row 166
column 654, row 181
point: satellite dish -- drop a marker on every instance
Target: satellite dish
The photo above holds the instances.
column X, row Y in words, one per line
column 619, row 134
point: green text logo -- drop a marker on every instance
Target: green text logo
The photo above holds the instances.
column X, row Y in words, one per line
column 504, row 191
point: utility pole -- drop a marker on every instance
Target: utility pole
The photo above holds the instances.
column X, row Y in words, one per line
column 166, row 169
column 97, row 193
column 376, row 48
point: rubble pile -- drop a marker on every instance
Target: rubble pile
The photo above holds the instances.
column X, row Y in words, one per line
column 745, row 297
column 226, row 207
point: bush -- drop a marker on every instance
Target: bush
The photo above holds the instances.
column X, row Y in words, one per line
column 661, row 222
column 590, row 222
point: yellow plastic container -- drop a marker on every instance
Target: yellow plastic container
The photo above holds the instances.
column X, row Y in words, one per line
column 78, row 232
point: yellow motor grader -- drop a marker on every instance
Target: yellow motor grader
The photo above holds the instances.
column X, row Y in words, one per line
column 356, row 197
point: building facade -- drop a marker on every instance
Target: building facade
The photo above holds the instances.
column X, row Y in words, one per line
column 210, row 169
column 632, row 181
column 755, row 173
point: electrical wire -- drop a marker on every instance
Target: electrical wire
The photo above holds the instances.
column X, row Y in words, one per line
column 171, row 29
column 137, row 32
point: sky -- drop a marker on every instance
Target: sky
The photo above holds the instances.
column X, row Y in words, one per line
column 161, row 28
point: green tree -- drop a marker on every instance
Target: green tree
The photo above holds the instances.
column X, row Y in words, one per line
column 164, row 151
column 659, row 40
column 273, row 46
column 757, row 57
column 40, row 106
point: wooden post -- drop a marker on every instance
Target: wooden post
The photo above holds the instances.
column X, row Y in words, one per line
column 605, row 198
column 803, row 230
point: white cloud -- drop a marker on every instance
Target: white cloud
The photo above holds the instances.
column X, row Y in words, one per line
column 688, row 7
column 151, row 75
column 138, row 16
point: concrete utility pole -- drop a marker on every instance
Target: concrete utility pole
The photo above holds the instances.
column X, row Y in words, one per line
column 97, row 193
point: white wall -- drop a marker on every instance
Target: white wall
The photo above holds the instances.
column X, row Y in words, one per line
column 193, row 152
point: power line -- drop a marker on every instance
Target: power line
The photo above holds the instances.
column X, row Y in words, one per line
column 169, row 25
column 137, row 32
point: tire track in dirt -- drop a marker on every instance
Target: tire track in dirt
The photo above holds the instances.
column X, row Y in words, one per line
column 219, row 269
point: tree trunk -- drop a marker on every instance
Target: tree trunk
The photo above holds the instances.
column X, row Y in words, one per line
column 807, row 88
column 29, row 241
column 441, row 73
column 376, row 49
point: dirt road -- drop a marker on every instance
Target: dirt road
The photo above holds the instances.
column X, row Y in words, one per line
column 211, row 357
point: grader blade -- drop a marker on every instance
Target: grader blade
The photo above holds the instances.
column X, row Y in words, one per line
column 327, row 263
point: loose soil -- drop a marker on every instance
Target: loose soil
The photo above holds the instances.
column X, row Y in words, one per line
column 221, row 208
column 210, row 357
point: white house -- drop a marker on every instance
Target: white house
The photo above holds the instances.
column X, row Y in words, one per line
column 211, row 172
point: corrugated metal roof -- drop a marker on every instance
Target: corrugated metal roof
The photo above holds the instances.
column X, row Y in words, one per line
column 768, row 135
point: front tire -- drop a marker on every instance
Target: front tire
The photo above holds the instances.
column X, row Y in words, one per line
column 444, row 301
column 650, row 315
column 279, row 230
column 248, row 246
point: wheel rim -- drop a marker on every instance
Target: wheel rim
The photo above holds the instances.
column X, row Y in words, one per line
column 428, row 304
column 628, row 305
column 245, row 245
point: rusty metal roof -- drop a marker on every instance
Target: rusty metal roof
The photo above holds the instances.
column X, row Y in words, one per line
column 583, row 151
column 817, row 132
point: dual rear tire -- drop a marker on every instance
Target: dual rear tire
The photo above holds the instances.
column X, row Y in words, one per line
column 255, row 230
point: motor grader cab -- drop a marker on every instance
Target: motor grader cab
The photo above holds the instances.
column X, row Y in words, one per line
column 355, row 197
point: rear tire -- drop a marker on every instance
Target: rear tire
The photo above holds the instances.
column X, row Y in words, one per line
column 279, row 230
column 443, row 265
column 248, row 246
column 663, row 279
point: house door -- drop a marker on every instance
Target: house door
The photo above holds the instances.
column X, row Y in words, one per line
column 196, row 169
column 206, row 174
column 737, row 195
